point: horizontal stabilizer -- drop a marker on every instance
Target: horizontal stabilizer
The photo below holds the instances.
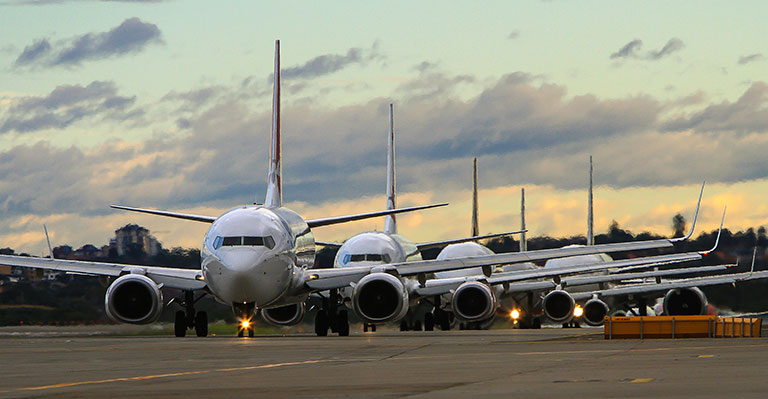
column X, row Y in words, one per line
column 360, row 216
column 186, row 216
column 433, row 244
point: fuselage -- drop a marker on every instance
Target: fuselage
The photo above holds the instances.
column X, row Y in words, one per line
column 255, row 255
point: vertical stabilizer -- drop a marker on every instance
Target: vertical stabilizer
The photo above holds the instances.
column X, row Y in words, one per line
column 523, row 241
column 475, row 229
column 390, row 225
column 274, row 179
column 590, row 214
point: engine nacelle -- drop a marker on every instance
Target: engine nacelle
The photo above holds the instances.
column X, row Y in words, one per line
column 595, row 311
column 558, row 306
column 379, row 298
column 473, row 301
column 287, row 315
column 685, row 302
column 134, row 299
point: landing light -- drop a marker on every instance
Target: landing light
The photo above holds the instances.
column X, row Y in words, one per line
column 245, row 324
column 514, row 314
column 578, row 311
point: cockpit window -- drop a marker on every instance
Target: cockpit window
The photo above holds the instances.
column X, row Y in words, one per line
column 367, row 257
column 250, row 241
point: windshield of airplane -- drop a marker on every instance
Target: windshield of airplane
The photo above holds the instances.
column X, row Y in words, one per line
column 367, row 258
column 248, row 241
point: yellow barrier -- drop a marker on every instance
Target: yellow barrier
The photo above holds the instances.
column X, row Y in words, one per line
column 680, row 327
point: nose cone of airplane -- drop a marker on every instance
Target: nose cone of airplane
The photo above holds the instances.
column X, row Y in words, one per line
column 250, row 275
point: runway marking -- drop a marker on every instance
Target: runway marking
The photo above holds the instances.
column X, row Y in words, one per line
column 701, row 356
column 168, row 375
column 641, row 380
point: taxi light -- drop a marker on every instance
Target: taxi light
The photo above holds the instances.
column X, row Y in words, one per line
column 514, row 314
column 245, row 324
column 578, row 311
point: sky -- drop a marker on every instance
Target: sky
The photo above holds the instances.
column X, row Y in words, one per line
column 166, row 104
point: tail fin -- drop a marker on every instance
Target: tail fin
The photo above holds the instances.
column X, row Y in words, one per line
column 390, row 224
column 475, row 228
column 275, row 184
column 523, row 241
column 590, row 214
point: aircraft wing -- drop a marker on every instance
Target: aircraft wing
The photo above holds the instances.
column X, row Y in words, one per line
column 328, row 244
column 187, row 279
column 442, row 286
column 311, row 222
column 609, row 278
column 647, row 288
column 427, row 245
column 323, row 279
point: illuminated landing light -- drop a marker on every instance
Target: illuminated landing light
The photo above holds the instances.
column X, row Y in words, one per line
column 578, row 311
column 514, row 314
column 245, row 324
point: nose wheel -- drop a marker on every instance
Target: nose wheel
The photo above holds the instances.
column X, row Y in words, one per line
column 245, row 315
column 329, row 317
column 188, row 318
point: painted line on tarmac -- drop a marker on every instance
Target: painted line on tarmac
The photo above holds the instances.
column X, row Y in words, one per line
column 639, row 350
column 169, row 375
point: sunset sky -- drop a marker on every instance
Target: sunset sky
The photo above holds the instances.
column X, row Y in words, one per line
column 166, row 104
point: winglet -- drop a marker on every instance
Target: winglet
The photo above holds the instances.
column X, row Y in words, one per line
column 523, row 240
column 274, row 183
column 50, row 250
column 475, row 229
column 752, row 269
column 695, row 216
column 720, row 230
column 390, row 223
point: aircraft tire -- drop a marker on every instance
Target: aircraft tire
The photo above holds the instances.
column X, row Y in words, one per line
column 429, row 322
column 201, row 324
column 321, row 324
column 180, row 324
column 343, row 323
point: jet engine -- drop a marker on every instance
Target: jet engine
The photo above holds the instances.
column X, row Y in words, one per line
column 685, row 302
column 473, row 301
column 558, row 306
column 134, row 299
column 284, row 315
column 594, row 312
column 380, row 297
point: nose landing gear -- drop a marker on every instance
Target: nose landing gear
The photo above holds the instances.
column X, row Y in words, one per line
column 330, row 317
column 245, row 312
column 188, row 318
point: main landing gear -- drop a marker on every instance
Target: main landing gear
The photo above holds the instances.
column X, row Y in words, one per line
column 245, row 311
column 438, row 317
column 329, row 317
column 188, row 318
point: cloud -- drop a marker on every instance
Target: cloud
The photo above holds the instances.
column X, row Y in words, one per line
column 513, row 35
column 131, row 36
column 629, row 50
column 632, row 50
column 746, row 59
column 748, row 114
column 66, row 105
column 329, row 63
column 673, row 45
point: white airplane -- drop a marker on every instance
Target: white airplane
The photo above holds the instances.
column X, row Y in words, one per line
column 258, row 257
column 376, row 248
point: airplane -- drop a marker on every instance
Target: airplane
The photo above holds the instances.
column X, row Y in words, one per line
column 258, row 257
column 382, row 247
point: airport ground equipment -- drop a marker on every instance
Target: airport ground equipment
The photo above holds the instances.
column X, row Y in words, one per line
column 710, row 326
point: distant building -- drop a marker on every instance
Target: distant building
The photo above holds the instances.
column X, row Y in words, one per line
column 135, row 234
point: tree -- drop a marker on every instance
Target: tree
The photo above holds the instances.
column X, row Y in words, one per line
column 678, row 225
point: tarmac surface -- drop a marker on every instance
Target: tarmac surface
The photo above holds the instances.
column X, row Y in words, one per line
column 467, row 364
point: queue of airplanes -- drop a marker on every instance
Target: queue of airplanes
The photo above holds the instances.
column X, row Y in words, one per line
column 259, row 259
